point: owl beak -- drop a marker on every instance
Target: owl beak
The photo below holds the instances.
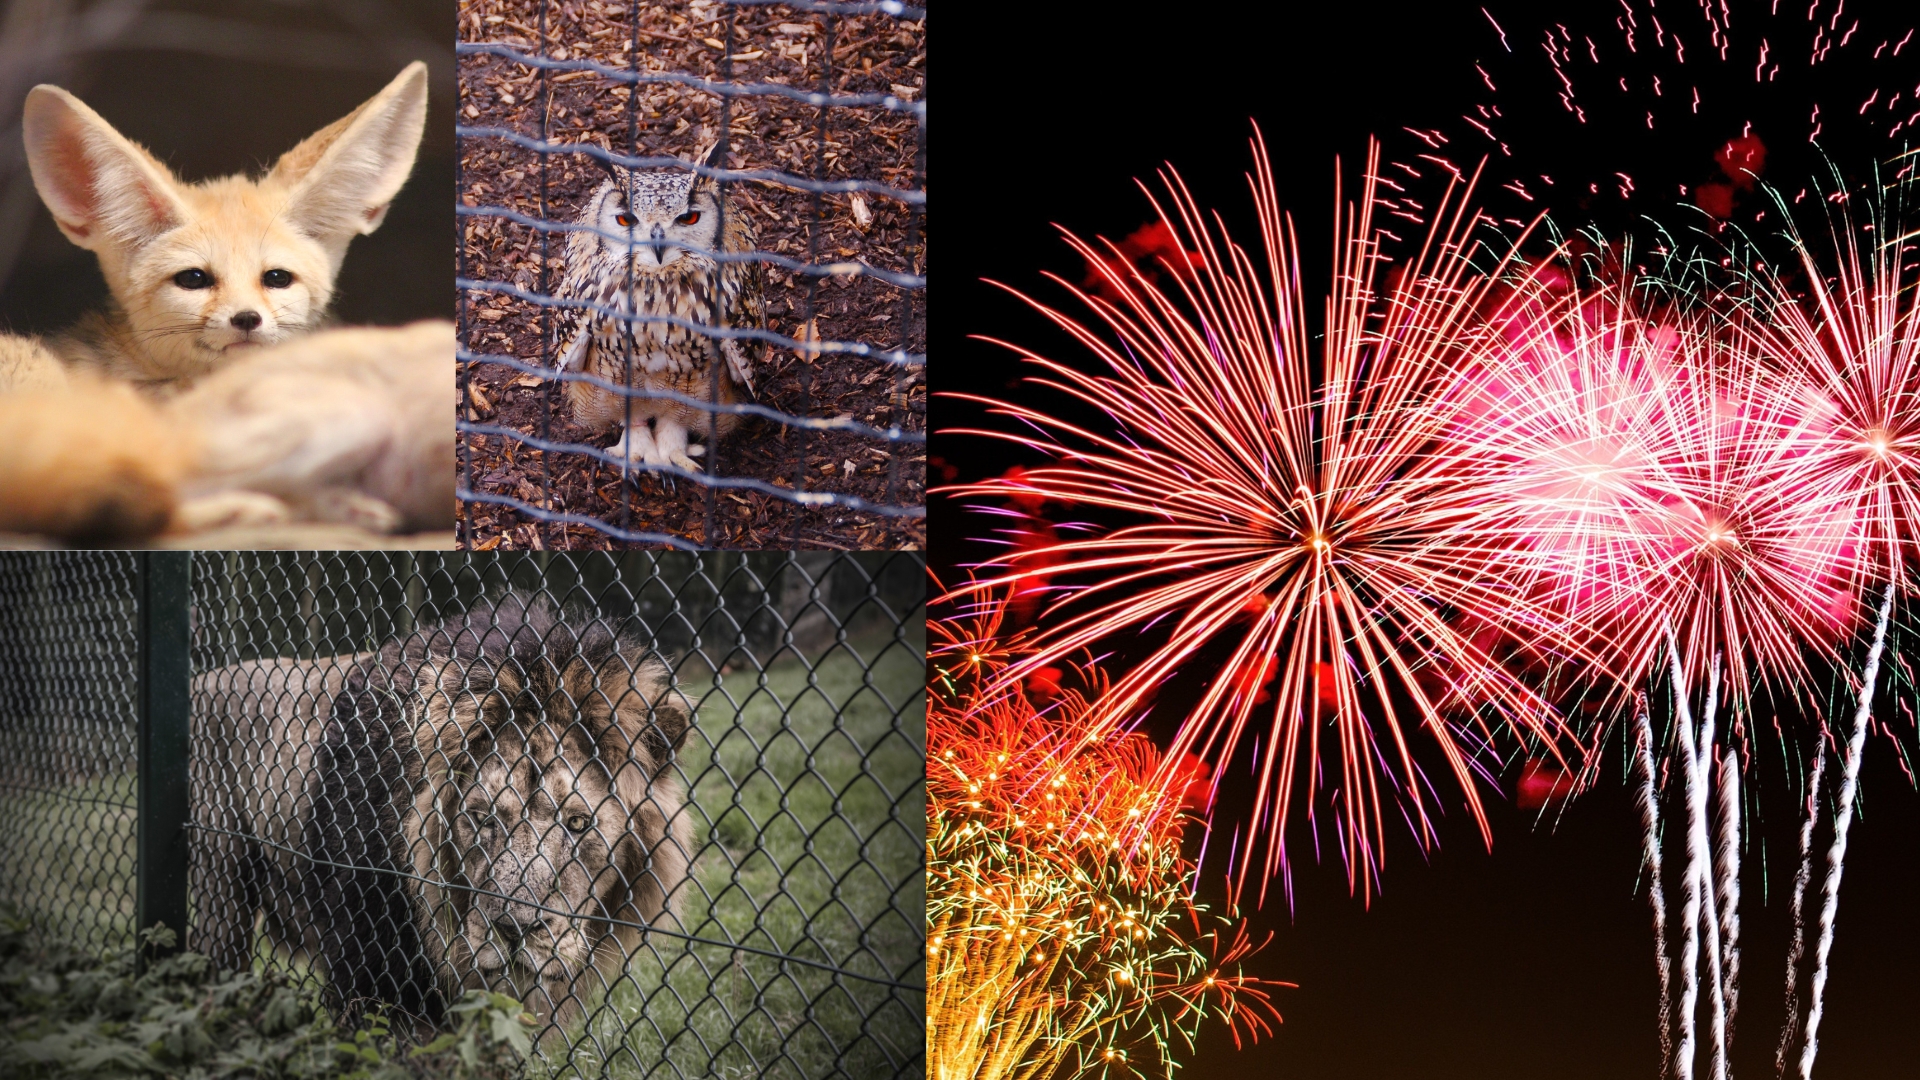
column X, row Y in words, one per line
column 659, row 245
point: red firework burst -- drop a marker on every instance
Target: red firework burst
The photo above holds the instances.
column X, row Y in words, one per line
column 1289, row 504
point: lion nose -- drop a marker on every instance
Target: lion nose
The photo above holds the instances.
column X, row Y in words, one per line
column 245, row 320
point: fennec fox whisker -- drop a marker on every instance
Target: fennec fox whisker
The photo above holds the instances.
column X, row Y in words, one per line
column 202, row 273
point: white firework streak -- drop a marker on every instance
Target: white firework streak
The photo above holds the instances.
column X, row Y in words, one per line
column 1842, row 818
column 1730, row 880
column 1656, row 892
column 1696, row 841
column 1798, row 945
column 1703, row 865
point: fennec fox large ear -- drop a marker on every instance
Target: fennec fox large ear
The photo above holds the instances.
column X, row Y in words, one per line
column 344, row 176
column 102, row 189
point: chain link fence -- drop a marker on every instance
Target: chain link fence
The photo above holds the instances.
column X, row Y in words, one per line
column 675, row 803
column 817, row 115
column 69, row 675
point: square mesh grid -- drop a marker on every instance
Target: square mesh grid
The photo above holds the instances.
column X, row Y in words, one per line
column 820, row 109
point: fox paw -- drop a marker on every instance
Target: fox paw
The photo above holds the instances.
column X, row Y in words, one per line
column 345, row 506
column 230, row 509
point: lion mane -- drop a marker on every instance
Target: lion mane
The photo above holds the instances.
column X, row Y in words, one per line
column 484, row 804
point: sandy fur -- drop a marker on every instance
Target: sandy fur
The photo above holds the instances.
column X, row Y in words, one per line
column 342, row 427
column 27, row 364
column 88, row 461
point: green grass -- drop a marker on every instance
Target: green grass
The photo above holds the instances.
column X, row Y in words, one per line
column 66, row 859
column 807, row 792
column 809, row 813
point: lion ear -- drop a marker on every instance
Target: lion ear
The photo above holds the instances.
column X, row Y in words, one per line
column 652, row 712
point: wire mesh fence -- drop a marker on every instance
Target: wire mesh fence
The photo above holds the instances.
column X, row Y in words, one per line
column 673, row 802
column 601, row 328
column 68, row 681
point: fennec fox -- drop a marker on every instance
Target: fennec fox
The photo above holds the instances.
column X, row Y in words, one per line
column 201, row 273
column 349, row 427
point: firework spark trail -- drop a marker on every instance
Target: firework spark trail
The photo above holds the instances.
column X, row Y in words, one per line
column 1650, row 820
column 1658, row 91
column 1690, row 906
column 1709, row 891
column 1291, row 487
column 1800, row 879
column 1729, row 843
column 1842, row 819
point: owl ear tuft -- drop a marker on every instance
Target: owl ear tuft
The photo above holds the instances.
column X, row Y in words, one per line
column 606, row 166
column 706, row 154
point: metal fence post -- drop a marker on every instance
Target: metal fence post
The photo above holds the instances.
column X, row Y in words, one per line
column 160, row 894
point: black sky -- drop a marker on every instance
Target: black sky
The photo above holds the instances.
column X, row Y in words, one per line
column 1536, row 960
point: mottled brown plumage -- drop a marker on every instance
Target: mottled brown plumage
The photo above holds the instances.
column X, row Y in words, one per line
column 642, row 245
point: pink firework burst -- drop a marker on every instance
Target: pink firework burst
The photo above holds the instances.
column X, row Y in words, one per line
column 1658, row 464
column 1845, row 334
column 1289, row 504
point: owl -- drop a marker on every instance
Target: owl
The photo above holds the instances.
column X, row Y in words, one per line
column 645, row 248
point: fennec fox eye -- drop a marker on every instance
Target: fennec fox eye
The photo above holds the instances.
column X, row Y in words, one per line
column 276, row 279
column 193, row 279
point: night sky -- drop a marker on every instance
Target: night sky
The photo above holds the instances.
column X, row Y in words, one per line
column 1536, row 960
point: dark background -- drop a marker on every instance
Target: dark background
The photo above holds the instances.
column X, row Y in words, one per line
column 215, row 87
column 1536, row 960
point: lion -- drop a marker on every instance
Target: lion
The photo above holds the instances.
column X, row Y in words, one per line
column 484, row 804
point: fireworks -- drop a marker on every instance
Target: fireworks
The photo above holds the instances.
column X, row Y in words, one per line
column 1658, row 470
column 1850, row 338
column 1062, row 932
column 1592, row 112
column 1846, row 331
column 1288, row 504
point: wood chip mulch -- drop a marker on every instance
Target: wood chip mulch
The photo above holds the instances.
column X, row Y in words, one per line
column 772, row 44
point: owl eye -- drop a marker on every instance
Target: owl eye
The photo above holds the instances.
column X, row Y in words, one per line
column 625, row 220
column 688, row 218
column 579, row 822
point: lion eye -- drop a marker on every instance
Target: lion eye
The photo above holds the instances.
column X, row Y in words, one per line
column 579, row 822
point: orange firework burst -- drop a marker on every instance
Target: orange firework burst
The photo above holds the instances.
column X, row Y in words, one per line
column 1291, row 505
column 1062, row 933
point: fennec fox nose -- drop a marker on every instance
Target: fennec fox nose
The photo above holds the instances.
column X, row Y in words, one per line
column 245, row 320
